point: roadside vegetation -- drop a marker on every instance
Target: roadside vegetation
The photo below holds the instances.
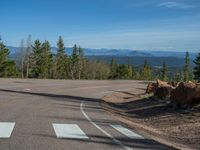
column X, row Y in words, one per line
column 36, row 60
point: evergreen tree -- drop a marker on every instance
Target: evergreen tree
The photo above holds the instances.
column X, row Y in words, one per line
column 197, row 68
column 81, row 62
column 146, row 72
column 47, row 60
column 7, row 67
column 130, row 69
column 113, row 69
column 164, row 75
column 187, row 67
column 38, row 59
column 74, row 62
column 61, row 60
column 123, row 72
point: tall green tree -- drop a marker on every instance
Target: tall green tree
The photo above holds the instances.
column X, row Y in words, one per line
column 47, row 60
column 113, row 69
column 38, row 59
column 81, row 62
column 197, row 68
column 124, row 71
column 164, row 75
column 146, row 72
column 74, row 62
column 61, row 60
column 187, row 67
column 7, row 66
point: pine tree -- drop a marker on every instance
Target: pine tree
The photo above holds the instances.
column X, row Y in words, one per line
column 146, row 72
column 123, row 72
column 4, row 52
column 197, row 68
column 130, row 69
column 164, row 72
column 38, row 59
column 47, row 60
column 74, row 62
column 113, row 69
column 187, row 67
column 81, row 61
column 7, row 67
column 61, row 60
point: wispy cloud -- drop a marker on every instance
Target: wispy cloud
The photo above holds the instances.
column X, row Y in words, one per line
column 173, row 4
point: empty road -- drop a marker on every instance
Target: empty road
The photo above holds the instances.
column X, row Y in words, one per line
column 64, row 114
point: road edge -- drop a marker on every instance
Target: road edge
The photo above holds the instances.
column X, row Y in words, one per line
column 144, row 130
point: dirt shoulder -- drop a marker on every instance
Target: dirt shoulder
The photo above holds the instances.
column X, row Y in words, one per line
column 156, row 119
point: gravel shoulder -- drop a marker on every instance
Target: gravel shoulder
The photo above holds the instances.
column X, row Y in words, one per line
column 156, row 119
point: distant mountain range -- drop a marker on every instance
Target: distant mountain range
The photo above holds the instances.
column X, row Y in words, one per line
column 125, row 56
column 119, row 52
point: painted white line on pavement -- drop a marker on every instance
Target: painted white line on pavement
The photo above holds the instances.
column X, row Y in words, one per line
column 27, row 89
column 6, row 129
column 106, row 133
column 69, row 131
column 127, row 132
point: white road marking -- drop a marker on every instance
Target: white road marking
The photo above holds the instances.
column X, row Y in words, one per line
column 106, row 133
column 69, row 131
column 27, row 89
column 6, row 129
column 127, row 132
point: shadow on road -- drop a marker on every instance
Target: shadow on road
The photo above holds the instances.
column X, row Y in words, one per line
column 143, row 108
column 73, row 98
column 136, row 143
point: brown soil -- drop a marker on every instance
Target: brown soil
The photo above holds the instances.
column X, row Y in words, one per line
column 157, row 119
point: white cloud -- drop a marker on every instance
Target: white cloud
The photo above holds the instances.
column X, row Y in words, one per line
column 173, row 4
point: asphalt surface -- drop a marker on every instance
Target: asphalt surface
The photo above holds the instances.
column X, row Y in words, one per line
column 34, row 105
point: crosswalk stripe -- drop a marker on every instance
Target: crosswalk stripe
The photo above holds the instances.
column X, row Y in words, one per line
column 127, row 132
column 6, row 129
column 72, row 131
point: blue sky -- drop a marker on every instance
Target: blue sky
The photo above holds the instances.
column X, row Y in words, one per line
column 124, row 24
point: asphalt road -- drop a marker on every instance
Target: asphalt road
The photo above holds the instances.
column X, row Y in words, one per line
column 36, row 105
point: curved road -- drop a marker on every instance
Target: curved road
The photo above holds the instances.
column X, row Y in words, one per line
column 43, row 110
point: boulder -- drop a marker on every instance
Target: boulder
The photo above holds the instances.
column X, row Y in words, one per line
column 186, row 94
column 163, row 89
column 174, row 84
column 151, row 88
column 160, row 89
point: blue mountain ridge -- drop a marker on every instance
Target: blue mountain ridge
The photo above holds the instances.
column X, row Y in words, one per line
column 118, row 52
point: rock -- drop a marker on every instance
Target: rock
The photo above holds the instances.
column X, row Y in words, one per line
column 160, row 89
column 163, row 89
column 186, row 94
column 174, row 84
column 151, row 88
